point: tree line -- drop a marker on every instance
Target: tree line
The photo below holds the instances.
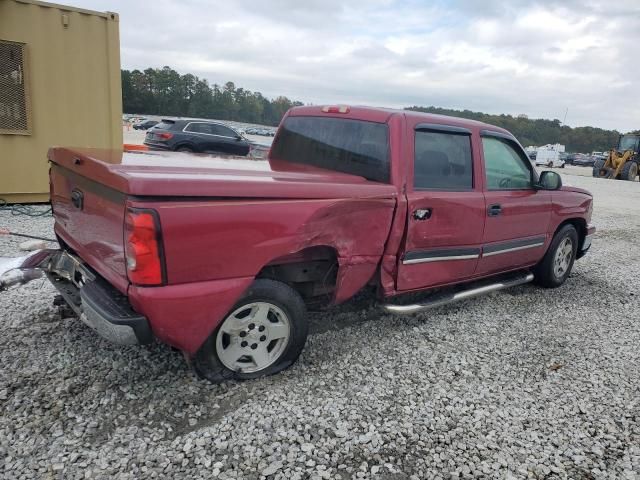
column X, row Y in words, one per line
column 163, row 91
column 540, row 131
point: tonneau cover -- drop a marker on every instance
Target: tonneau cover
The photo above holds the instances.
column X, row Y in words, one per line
column 172, row 174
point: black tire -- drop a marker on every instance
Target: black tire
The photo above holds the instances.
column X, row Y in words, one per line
column 597, row 165
column 185, row 149
column 207, row 364
column 629, row 171
column 545, row 272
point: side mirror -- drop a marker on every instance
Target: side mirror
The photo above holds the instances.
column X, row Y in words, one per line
column 549, row 181
column 238, row 137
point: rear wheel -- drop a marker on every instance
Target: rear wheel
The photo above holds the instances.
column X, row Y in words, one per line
column 263, row 334
column 184, row 149
column 556, row 265
column 598, row 164
column 629, row 171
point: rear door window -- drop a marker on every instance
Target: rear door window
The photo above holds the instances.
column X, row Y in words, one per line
column 442, row 161
column 343, row 145
column 198, row 128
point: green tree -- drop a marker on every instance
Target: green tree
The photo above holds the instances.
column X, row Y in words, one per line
column 163, row 91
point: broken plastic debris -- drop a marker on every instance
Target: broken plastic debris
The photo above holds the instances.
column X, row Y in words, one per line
column 31, row 245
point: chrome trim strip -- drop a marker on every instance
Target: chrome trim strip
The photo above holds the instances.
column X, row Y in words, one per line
column 184, row 130
column 439, row 259
column 513, row 249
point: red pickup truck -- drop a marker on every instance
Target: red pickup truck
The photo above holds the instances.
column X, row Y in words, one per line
column 219, row 257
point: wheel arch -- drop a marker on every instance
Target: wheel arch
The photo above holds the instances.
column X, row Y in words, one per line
column 311, row 271
column 185, row 143
column 580, row 224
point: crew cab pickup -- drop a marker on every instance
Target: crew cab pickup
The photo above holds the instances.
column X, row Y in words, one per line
column 219, row 257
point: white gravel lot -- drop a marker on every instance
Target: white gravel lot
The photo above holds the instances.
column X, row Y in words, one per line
column 526, row 383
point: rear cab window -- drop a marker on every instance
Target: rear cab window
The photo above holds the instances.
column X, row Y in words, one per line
column 442, row 159
column 356, row 147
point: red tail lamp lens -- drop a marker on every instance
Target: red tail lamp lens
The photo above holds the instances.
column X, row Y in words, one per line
column 165, row 136
column 143, row 249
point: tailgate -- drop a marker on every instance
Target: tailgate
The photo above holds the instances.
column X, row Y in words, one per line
column 89, row 218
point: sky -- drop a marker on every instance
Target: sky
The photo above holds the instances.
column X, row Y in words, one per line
column 541, row 58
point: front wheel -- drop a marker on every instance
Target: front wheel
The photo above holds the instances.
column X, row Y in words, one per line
column 629, row 171
column 263, row 334
column 555, row 267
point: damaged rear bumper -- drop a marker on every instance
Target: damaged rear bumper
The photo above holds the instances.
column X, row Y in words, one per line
column 105, row 310
column 97, row 303
column 93, row 299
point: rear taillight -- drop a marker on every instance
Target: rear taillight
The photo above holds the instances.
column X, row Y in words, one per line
column 164, row 136
column 143, row 247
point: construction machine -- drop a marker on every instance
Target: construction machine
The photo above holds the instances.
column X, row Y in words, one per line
column 622, row 162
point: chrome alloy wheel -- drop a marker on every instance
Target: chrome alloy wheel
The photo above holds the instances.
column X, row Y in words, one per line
column 562, row 258
column 253, row 337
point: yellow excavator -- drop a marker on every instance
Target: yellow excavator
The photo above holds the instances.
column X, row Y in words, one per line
column 622, row 162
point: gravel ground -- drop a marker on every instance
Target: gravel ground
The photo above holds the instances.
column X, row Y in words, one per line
column 525, row 383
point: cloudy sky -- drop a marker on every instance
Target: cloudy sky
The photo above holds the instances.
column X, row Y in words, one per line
column 537, row 58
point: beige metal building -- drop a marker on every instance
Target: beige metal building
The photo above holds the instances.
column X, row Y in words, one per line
column 59, row 85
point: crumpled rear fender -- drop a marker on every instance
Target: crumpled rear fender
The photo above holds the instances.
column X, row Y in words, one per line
column 215, row 250
column 358, row 230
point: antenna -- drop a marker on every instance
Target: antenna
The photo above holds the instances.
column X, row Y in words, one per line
column 564, row 121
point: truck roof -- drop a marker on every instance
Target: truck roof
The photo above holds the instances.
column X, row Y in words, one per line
column 382, row 114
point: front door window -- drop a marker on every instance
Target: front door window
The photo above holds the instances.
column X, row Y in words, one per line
column 505, row 169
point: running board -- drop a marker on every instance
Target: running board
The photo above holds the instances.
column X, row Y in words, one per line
column 447, row 298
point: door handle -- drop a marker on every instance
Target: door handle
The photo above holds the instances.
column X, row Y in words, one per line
column 494, row 210
column 422, row 214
